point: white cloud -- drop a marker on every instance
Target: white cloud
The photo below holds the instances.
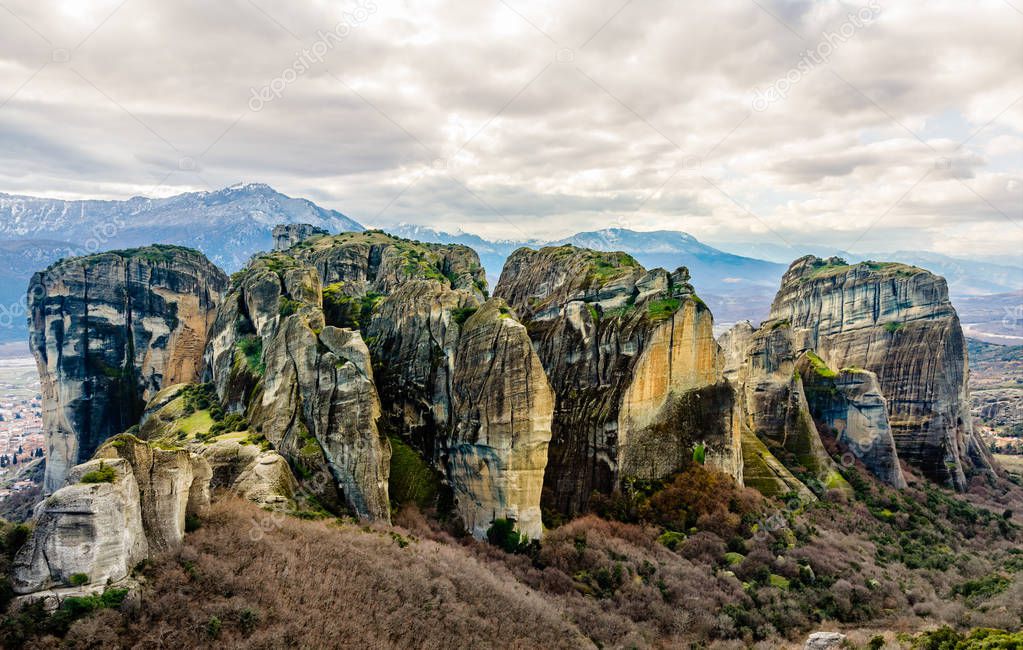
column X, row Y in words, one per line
column 541, row 118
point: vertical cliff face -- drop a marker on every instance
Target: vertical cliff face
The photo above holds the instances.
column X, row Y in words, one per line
column 375, row 262
column 288, row 234
column 897, row 322
column 457, row 379
column 305, row 386
column 851, row 406
column 502, row 406
column 108, row 331
column 634, row 366
column 91, row 529
column 403, row 295
column 774, row 406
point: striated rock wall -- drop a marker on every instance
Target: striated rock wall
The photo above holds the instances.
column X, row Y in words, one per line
column 502, row 406
column 897, row 322
column 774, row 407
column 287, row 235
column 306, row 386
column 107, row 332
column 172, row 483
column 677, row 396
column 851, row 406
column 635, row 369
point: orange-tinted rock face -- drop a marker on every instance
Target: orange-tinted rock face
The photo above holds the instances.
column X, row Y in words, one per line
column 677, row 398
column 897, row 322
column 635, row 369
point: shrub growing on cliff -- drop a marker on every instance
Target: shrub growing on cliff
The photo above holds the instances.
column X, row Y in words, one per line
column 341, row 310
column 462, row 314
column 251, row 349
column 103, row 474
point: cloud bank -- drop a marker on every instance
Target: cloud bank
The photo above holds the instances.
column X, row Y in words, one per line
column 889, row 125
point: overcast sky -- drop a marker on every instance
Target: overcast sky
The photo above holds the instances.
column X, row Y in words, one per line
column 902, row 129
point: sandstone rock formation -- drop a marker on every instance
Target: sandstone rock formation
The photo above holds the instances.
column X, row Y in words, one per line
column 774, row 406
column 108, row 331
column 850, row 405
column 457, row 379
column 240, row 461
column 758, row 381
column 634, row 365
column 172, row 483
column 93, row 531
column 502, row 407
column 896, row 321
column 308, row 388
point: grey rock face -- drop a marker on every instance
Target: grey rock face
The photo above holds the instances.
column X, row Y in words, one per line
column 172, row 483
column 851, row 405
column 824, row 641
column 107, row 332
column 92, row 529
column 897, row 322
column 288, row 234
column 634, row 365
column 774, row 406
column 503, row 407
column 308, row 388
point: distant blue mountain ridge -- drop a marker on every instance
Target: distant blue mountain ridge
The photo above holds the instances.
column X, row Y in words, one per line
column 737, row 281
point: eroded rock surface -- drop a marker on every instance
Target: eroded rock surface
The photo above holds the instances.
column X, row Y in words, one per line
column 503, row 406
column 774, row 406
column 851, row 405
column 896, row 321
column 288, row 234
column 634, row 366
column 93, row 531
column 172, row 483
column 306, row 386
column 107, row 332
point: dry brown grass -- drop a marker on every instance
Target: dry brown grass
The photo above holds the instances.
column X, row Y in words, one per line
column 901, row 561
column 308, row 584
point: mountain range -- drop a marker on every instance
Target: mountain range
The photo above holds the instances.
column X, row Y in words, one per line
column 228, row 225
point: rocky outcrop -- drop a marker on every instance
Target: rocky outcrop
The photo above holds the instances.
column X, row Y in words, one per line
column 240, row 461
column 288, row 234
column 172, row 483
column 502, row 407
column 896, row 321
column 109, row 330
column 458, row 379
column 849, row 404
column 373, row 262
column 773, row 403
column 305, row 386
column 86, row 532
column 634, row 366
column 824, row 641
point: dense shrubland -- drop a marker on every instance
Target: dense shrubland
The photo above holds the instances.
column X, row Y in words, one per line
column 693, row 561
